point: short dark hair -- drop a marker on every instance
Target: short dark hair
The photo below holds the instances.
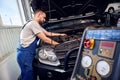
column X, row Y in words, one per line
column 42, row 12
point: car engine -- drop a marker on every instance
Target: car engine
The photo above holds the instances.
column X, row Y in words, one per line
column 68, row 47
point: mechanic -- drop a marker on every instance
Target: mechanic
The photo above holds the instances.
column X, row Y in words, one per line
column 30, row 34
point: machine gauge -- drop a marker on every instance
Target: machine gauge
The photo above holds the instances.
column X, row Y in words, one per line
column 103, row 68
column 86, row 61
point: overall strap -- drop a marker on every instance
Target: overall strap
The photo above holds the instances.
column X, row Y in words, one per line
column 26, row 23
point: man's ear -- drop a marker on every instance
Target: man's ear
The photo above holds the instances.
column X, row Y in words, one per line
column 39, row 15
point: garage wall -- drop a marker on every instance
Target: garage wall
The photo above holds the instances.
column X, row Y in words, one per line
column 8, row 40
column 9, row 69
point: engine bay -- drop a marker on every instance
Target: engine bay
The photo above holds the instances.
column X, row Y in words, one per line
column 55, row 55
column 58, row 52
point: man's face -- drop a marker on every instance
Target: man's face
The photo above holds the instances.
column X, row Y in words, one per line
column 42, row 18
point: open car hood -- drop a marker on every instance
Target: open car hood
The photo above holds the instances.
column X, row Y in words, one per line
column 62, row 9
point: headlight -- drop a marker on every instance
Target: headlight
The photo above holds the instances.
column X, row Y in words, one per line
column 52, row 58
column 42, row 55
column 48, row 57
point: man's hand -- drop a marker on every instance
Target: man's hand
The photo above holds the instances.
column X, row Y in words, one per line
column 63, row 35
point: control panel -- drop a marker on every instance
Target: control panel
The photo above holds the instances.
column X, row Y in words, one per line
column 98, row 56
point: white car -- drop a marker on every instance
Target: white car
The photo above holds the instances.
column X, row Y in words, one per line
column 113, row 8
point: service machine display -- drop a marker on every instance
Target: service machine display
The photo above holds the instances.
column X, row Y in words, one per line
column 98, row 56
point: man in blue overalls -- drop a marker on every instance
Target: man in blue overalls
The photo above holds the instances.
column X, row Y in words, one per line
column 31, row 32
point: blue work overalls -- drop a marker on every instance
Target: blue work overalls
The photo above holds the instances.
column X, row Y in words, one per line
column 25, row 57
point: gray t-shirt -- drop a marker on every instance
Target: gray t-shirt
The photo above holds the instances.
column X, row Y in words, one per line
column 28, row 33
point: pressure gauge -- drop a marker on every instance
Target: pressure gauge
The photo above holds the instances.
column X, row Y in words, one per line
column 103, row 68
column 86, row 61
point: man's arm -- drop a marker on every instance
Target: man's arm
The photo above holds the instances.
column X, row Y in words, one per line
column 46, row 39
column 54, row 34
